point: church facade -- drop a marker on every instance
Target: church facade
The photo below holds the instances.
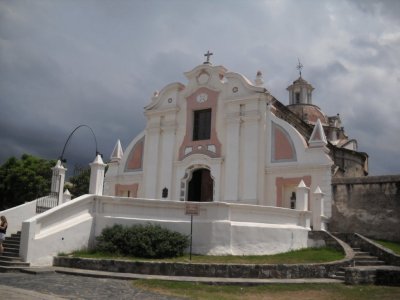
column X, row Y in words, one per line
column 257, row 174
column 222, row 138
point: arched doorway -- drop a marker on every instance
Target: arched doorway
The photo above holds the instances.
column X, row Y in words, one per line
column 201, row 186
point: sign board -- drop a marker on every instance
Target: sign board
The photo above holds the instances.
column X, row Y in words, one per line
column 192, row 209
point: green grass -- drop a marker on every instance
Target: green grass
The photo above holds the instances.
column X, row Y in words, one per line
column 308, row 255
column 274, row 291
column 394, row 246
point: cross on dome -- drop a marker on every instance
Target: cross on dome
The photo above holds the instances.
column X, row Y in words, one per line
column 299, row 66
column 208, row 54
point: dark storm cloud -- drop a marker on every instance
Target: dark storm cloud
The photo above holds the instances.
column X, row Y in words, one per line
column 66, row 63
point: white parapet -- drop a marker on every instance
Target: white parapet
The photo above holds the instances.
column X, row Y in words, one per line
column 219, row 229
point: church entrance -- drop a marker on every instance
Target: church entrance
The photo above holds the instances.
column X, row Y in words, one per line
column 201, row 186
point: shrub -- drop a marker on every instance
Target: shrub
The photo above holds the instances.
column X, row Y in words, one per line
column 148, row 241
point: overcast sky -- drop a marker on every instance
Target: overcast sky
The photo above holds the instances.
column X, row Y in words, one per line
column 71, row 62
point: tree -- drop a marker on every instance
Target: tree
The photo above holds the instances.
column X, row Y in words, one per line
column 79, row 183
column 24, row 179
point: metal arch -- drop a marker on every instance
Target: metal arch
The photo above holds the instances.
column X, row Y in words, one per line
column 69, row 137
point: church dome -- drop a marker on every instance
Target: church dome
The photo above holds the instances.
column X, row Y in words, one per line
column 309, row 113
column 300, row 80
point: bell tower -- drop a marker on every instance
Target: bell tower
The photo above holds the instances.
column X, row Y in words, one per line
column 300, row 92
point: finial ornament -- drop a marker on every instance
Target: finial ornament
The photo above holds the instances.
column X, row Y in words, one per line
column 208, row 54
column 299, row 66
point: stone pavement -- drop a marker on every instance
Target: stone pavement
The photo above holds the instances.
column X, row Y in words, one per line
column 69, row 283
column 56, row 286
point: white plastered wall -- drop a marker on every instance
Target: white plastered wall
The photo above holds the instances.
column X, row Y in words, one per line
column 313, row 162
column 116, row 173
column 219, row 229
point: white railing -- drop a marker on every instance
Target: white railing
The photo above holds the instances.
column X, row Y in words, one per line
column 47, row 202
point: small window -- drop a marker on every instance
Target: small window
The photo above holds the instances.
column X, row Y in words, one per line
column 202, row 124
column 297, row 96
column 293, row 200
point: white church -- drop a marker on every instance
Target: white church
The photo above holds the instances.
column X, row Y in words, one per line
column 258, row 171
column 222, row 138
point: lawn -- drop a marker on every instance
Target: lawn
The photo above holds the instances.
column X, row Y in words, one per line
column 308, row 255
column 273, row 291
column 394, row 246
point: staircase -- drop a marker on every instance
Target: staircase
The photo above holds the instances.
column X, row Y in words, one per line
column 10, row 260
column 361, row 258
column 365, row 259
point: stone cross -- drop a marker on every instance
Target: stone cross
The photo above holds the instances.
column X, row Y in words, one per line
column 208, row 54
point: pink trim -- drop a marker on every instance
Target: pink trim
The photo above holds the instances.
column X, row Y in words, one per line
column 283, row 147
column 132, row 188
column 201, row 146
column 280, row 182
column 136, row 157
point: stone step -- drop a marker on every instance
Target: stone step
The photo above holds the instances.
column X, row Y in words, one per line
column 12, row 239
column 369, row 263
column 11, row 243
column 339, row 273
column 365, row 258
column 356, row 249
column 5, row 269
column 11, row 249
column 9, row 253
column 360, row 253
column 339, row 277
column 6, row 263
column 12, row 257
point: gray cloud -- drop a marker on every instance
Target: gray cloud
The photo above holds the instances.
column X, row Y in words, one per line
column 65, row 63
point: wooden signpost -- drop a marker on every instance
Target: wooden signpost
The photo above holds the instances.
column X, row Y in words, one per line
column 191, row 209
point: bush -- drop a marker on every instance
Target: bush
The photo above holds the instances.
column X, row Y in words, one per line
column 148, row 241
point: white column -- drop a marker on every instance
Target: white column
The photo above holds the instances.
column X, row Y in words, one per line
column 151, row 162
column 167, row 152
column 231, row 192
column 302, row 196
column 97, row 168
column 57, row 180
column 250, row 159
column 318, row 208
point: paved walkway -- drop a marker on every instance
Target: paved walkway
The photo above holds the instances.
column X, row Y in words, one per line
column 68, row 283
column 57, row 286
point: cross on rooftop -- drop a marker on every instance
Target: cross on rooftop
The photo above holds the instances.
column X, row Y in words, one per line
column 299, row 66
column 208, row 54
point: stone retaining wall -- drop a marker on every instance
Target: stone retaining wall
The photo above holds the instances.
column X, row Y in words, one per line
column 367, row 205
column 322, row 270
column 378, row 276
column 280, row 271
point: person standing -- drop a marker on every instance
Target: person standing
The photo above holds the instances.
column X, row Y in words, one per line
column 3, row 230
